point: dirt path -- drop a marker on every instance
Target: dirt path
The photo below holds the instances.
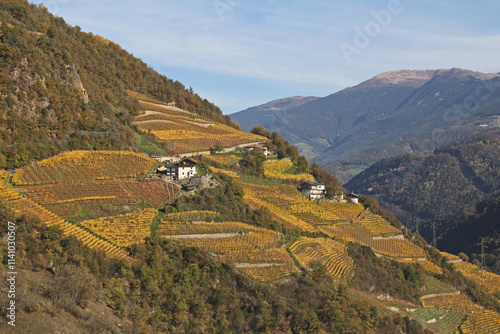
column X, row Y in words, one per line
column 440, row 294
column 171, row 108
column 154, row 120
column 151, row 112
column 204, row 236
column 258, row 265
column 226, row 150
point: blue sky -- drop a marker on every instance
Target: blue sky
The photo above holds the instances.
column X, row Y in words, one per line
column 242, row 53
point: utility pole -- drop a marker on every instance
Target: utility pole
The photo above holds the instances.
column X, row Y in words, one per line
column 434, row 241
column 483, row 256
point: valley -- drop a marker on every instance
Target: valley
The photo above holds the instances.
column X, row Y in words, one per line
column 390, row 114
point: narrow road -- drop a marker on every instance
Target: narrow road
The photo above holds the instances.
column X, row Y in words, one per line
column 227, row 149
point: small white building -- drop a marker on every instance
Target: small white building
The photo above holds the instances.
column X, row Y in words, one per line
column 313, row 190
column 261, row 147
column 353, row 197
column 181, row 170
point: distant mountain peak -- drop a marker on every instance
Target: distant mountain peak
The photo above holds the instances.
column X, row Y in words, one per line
column 285, row 103
column 402, row 77
column 394, row 112
column 417, row 78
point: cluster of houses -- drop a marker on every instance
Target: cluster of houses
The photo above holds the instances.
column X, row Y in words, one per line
column 185, row 169
column 178, row 169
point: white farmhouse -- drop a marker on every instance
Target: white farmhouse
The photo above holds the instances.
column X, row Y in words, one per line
column 354, row 197
column 313, row 190
column 184, row 169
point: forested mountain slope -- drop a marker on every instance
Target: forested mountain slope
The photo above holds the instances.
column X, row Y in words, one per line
column 462, row 232
column 61, row 88
column 426, row 186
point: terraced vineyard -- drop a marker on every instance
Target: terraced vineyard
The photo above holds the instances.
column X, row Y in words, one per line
column 276, row 199
column 450, row 257
column 284, row 217
column 346, row 211
column 270, row 255
column 123, row 230
column 313, row 213
column 490, row 281
column 82, row 166
column 435, row 286
column 450, row 301
column 456, row 305
column 189, row 216
column 378, row 226
column 21, row 204
column 221, row 237
column 224, row 171
column 438, row 320
column 223, row 159
column 276, row 169
column 254, row 250
column 185, row 131
column 270, row 273
column 3, row 176
column 481, row 322
column 59, row 187
column 395, row 247
column 142, row 97
column 66, row 199
column 332, row 254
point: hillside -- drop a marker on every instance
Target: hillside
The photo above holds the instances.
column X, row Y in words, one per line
column 183, row 131
column 393, row 113
column 102, row 237
column 65, row 89
column 427, row 186
column 322, row 257
column 462, row 232
column 270, row 114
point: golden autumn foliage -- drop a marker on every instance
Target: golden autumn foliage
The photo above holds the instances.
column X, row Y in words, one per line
column 79, row 166
column 276, row 168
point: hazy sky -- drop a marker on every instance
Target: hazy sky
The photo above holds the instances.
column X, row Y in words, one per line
column 241, row 53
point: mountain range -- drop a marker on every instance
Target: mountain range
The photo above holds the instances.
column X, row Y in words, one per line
column 392, row 113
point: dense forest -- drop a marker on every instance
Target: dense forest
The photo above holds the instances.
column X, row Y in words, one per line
column 422, row 187
column 62, row 89
column 463, row 232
